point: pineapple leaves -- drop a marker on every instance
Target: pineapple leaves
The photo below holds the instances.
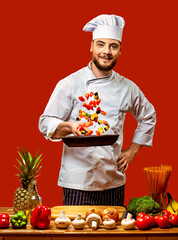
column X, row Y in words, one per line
column 18, row 169
column 28, row 165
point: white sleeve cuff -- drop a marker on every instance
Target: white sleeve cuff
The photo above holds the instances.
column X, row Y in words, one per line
column 53, row 124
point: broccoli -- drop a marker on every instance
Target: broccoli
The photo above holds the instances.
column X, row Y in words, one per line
column 144, row 204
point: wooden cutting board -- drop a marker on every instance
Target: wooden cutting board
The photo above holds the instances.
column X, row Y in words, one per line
column 71, row 211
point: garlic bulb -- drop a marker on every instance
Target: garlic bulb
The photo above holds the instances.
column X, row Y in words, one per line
column 62, row 221
column 78, row 222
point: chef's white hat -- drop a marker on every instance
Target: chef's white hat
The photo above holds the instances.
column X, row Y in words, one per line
column 106, row 26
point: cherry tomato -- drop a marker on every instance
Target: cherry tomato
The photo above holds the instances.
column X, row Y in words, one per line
column 141, row 215
column 166, row 213
column 163, row 221
column 152, row 221
column 173, row 218
column 142, row 223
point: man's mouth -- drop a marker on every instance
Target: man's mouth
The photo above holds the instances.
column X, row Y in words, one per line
column 106, row 58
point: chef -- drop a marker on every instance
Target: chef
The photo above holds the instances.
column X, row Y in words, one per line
column 96, row 175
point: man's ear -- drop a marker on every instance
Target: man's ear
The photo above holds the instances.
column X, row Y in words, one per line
column 91, row 47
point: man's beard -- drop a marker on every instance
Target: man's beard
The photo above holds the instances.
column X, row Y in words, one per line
column 102, row 67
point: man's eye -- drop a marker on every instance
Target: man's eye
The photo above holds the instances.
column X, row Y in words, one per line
column 100, row 45
column 114, row 47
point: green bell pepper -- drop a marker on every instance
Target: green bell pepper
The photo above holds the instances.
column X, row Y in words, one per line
column 19, row 220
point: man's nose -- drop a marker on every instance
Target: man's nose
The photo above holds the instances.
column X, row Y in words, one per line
column 107, row 49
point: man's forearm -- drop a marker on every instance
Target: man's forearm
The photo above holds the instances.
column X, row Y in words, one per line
column 62, row 130
column 66, row 128
column 134, row 147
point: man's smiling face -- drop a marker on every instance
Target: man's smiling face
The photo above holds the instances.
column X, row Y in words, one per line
column 105, row 53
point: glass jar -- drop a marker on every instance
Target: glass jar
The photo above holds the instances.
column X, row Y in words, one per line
column 33, row 200
column 159, row 198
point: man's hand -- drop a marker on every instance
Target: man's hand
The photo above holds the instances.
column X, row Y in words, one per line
column 126, row 156
column 66, row 128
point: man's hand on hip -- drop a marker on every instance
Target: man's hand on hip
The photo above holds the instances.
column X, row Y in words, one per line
column 126, row 156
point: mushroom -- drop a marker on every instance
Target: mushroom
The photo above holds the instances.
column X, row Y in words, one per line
column 124, row 215
column 93, row 221
column 78, row 222
column 109, row 223
column 129, row 222
column 62, row 221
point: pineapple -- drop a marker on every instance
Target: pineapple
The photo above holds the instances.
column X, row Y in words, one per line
column 28, row 168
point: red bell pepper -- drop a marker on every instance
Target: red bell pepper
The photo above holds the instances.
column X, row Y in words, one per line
column 97, row 133
column 41, row 217
column 98, row 101
column 91, row 94
column 87, row 95
column 81, row 98
column 80, row 127
column 4, row 220
column 89, row 132
column 103, row 113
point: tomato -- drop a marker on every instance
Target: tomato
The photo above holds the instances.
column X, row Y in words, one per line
column 142, row 223
column 163, row 221
column 166, row 213
column 110, row 213
column 173, row 218
column 156, row 218
column 152, row 221
column 141, row 215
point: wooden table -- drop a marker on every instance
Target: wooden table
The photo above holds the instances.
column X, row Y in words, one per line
column 52, row 233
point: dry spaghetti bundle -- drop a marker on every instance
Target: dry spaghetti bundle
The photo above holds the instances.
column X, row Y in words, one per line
column 157, row 178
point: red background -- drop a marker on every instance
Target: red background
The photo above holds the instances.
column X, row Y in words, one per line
column 42, row 42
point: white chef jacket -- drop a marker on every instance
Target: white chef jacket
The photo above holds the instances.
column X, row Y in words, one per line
column 95, row 168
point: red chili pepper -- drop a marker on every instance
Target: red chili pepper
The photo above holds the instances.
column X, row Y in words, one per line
column 81, row 98
column 41, row 217
column 87, row 95
column 4, row 220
